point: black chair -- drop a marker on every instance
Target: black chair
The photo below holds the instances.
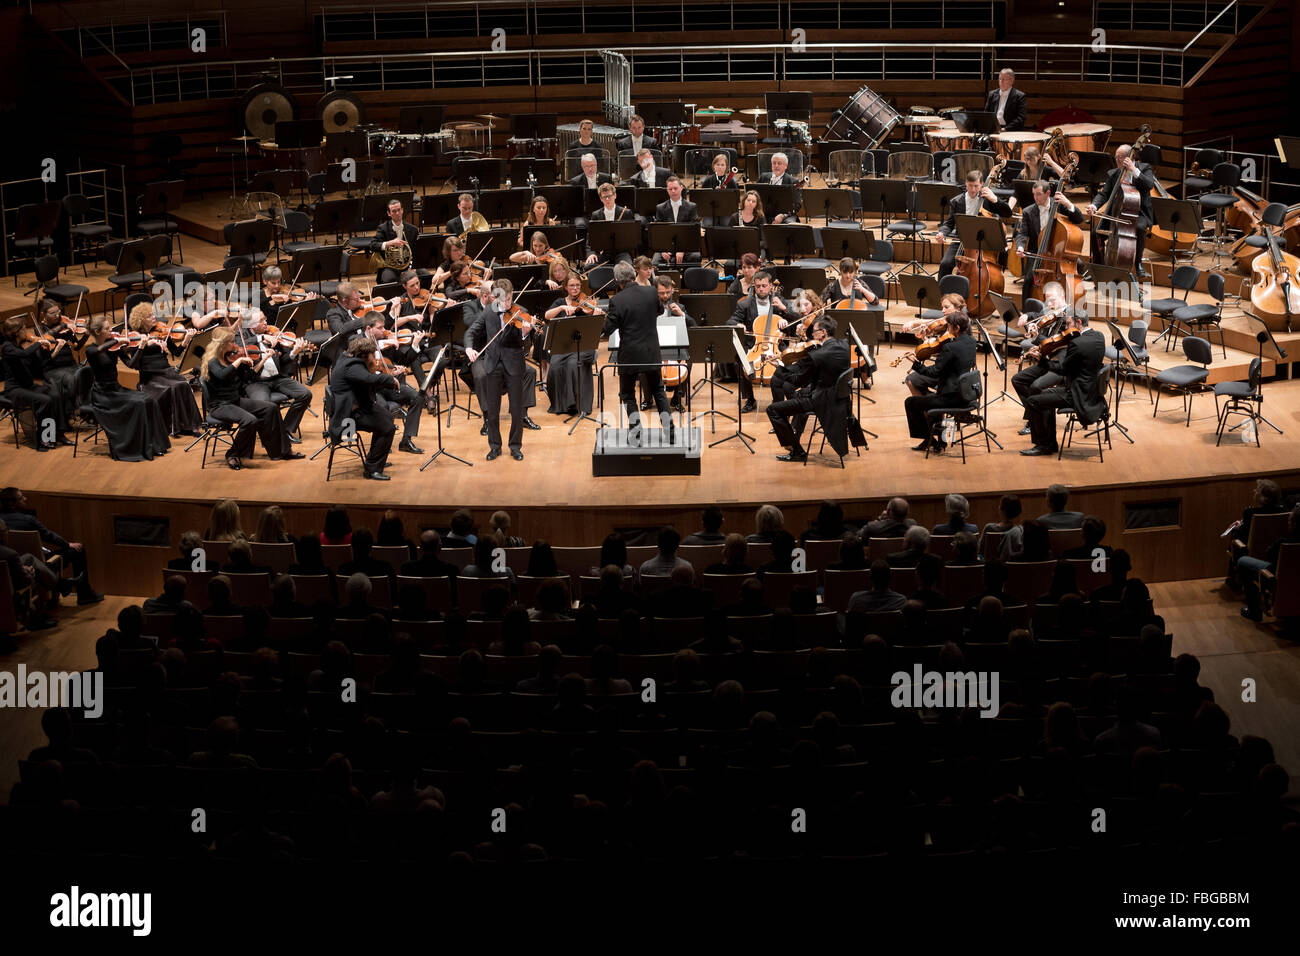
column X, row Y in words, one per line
column 948, row 285
column 696, row 279
column 1204, row 315
column 966, row 415
column 86, row 412
column 881, row 261
column 169, row 271
column 1137, row 339
column 1273, row 216
column 1226, row 177
column 1243, row 398
column 296, row 223
column 47, row 272
column 1186, row 378
column 1184, row 278
column 156, row 220
column 601, row 277
column 352, row 443
column 211, row 432
column 86, row 237
column 1102, row 426
column 33, row 234
column 1204, row 160
column 843, row 389
column 7, row 411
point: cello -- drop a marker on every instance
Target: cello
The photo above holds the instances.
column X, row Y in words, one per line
column 982, row 272
column 1274, row 285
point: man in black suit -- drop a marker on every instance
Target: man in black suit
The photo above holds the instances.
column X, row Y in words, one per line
column 1030, row 230
column 1034, row 377
column 956, row 357
column 475, row 309
column 1081, row 367
column 499, row 366
column 278, row 377
column 1058, row 496
column 780, row 177
column 608, row 211
column 428, row 564
column 591, row 177
column 1143, row 178
column 343, row 326
column 466, row 219
column 675, row 209
column 633, row 311
column 403, row 395
column 892, row 523
column 635, row 139
column 820, row 369
column 352, row 394
column 977, row 197
column 1007, row 103
column 760, row 303
column 649, row 175
column 390, row 235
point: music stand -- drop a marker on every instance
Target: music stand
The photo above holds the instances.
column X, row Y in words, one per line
column 1001, row 362
column 1170, row 214
column 338, row 216
column 504, row 205
column 441, row 361
column 560, row 236
column 674, row 237
column 853, row 243
column 566, row 201
column 715, row 204
column 708, row 345
column 980, row 234
column 1023, row 190
column 833, row 203
column 251, row 238
column 1007, row 310
column 706, row 308
column 349, row 144
column 565, row 335
column 192, row 357
column 980, row 123
column 648, row 199
column 730, row 243
column 609, row 239
column 409, row 171
column 499, row 243
column 542, row 169
column 932, row 199
column 420, row 119
column 1092, row 168
column 316, row 266
column 777, row 199
column 1124, row 354
column 662, row 114
column 865, row 329
column 918, row 289
column 449, row 330
column 797, row 239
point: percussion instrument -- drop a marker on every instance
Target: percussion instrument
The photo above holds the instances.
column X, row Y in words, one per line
column 339, row 112
column 866, row 119
column 948, row 111
column 713, row 111
column 540, row 148
column 689, row 135
column 285, row 157
column 1080, row 138
column 490, row 117
column 1012, row 145
column 665, row 136
column 464, row 136
column 794, row 130
column 605, row 137
column 948, row 139
column 756, row 111
column 265, row 105
column 918, row 126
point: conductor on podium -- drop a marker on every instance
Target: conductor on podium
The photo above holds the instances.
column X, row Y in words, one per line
column 633, row 312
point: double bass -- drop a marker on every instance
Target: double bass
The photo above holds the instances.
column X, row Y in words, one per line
column 1274, row 285
column 1123, row 210
column 1060, row 243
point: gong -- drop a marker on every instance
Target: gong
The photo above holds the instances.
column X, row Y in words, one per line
column 263, row 106
column 340, row 112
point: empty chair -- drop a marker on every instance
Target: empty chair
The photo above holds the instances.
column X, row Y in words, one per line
column 1184, row 379
column 1203, row 315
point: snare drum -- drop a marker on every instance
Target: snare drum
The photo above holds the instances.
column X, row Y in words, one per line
column 1012, row 145
column 1081, row 138
column 949, row 139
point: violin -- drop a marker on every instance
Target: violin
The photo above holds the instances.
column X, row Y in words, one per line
column 376, row 304
column 928, row 349
column 124, row 340
column 274, row 337
column 1049, row 347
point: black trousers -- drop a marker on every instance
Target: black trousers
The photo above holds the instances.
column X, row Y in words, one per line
column 923, row 378
column 409, row 398
column 782, row 387
column 627, row 393
column 380, row 425
column 789, row 416
column 253, row 418
column 1041, row 409
column 489, row 386
column 917, row 405
column 1032, row 380
column 276, row 389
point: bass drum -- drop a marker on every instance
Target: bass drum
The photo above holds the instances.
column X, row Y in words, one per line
column 263, row 106
column 866, row 120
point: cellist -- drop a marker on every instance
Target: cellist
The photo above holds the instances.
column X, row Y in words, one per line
column 1029, row 231
column 1143, row 178
column 977, row 197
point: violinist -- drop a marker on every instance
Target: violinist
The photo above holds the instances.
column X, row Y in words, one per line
column 495, row 347
column 676, row 209
column 354, row 380
column 847, row 286
column 665, row 288
column 227, row 376
column 608, row 211
column 59, row 363
column 956, row 357
column 539, row 251
column 807, row 305
column 409, row 311
column 1029, row 231
column 467, row 219
column 453, row 253
column 721, row 177
column 132, row 419
column 645, row 270
column 276, row 372
column 344, row 325
column 923, row 378
column 590, row 177
column 976, row 197
column 1080, row 367
column 819, row 370
column 560, row 380
column 276, row 294
column 23, row 359
column 158, row 377
column 556, row 272
column 399, row 395
column 462, row 283
column 743, row 285
column 760, row 304
column 1142, row 177
column 1037, row 375
column 392, row 235
column 539, row 214
column 474, row 309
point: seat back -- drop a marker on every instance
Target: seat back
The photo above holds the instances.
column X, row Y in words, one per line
column 1286, row 600
column 968, row 386
column 1185, row 278
column 1197, row 350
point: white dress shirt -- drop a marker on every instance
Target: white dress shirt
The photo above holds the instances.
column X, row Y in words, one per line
column 1003, row 96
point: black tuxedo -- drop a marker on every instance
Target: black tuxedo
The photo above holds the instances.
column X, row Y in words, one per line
column 661, row 177
column 620, row 214
column 958, row 206
column 498, row 369
column 580, row 180
column 685, row 213
column 1014, row 115
column 1042, row 375
column 633, row 312
column 791, row 215
column 955, row 358
column 1144, row 183
column 816, row 375
column 1081, row 367
column 352, row 396
column 383, row 234
column 455, row 227
column 623, row 142
column 746, row 312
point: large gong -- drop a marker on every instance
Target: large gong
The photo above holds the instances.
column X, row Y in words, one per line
column 340, row 112
column 265, row 105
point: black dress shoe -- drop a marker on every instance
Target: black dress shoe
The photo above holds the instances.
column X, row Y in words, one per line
column 676, row 405
column 41, row 446
column 429, row 403
column 293, row 440
column 925, row 443
column 291, row 455
column 531, row 425
column 409, row 446
column 483, row 429
column 377, row 476
column 234, row 464
column 517, row 455
column 939, row 447
column 494, row 454
column 645, row 405
column 749, row 406
column 64, row 440
column 1023, row 431
column 791, row 456
column 1038, row 450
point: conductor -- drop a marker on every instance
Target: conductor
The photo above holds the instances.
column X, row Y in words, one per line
column 633, row 311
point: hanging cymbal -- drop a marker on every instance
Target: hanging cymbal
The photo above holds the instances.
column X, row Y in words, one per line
column 243, row 139
column 490, row 116
column 756, row 111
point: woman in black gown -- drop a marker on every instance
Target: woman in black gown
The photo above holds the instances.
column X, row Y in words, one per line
column 560, row 384
column 159, row 378
column 133, row 421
